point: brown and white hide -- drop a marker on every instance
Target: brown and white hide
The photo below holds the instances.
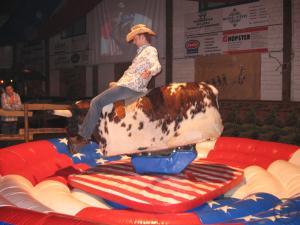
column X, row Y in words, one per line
column 174, row 115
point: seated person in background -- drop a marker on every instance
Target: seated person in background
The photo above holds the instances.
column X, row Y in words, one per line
column 10, row 100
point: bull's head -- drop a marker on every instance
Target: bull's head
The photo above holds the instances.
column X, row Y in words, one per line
column 75, row 116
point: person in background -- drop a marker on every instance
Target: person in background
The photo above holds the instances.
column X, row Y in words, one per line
column 134, row 81
column 10, row 100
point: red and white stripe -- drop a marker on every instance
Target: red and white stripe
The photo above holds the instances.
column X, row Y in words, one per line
column 158, row 193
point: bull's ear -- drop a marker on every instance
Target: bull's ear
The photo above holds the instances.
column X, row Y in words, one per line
column 64, row 113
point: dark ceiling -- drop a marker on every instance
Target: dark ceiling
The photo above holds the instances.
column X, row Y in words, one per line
column 21, row 19
column 25, row 20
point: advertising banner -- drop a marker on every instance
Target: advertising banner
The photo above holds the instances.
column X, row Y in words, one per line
column 69, row 52
column 242, row 28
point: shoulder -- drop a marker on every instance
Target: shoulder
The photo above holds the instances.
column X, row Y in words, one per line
column 16, row 94
column 151, row 49
column 3, row 97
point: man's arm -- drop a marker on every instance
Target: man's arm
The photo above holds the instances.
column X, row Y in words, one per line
column 112, row 84
column 17, row 104
column 5, row 103
column 153, row 63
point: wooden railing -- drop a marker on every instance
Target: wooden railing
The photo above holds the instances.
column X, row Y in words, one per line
column 27, row 133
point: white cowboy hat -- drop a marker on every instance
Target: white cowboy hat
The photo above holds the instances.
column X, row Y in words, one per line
column 138, row 29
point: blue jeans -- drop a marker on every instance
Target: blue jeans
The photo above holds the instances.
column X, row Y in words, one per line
column 105, row 98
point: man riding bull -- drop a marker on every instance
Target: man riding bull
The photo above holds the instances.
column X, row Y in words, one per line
column 133, row 82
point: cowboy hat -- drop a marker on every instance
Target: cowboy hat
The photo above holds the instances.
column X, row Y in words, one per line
column 138, row 29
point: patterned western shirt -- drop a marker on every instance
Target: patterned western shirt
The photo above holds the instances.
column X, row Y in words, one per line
column 10, row 103
column 145, row 60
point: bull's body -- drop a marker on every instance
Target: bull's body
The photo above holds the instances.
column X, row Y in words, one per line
column 174, row 115
column 167, row 117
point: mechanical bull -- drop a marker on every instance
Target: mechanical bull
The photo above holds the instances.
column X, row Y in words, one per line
column 167, row 117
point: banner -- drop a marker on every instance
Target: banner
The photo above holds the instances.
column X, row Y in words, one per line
column 247, row 40
column 246, row 15
column 69, row 52
column 109, row 23
column 242, row 28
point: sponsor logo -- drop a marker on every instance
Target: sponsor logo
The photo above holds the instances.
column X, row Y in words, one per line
column 235, row 17
column 192, row 46
column 238, row 37
column 203, row 19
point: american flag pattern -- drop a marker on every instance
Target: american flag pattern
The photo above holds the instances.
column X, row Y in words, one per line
column 89, row 154
column 200, row 181
column 256, row 209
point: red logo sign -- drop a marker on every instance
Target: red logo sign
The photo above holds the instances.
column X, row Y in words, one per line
column 192, row 44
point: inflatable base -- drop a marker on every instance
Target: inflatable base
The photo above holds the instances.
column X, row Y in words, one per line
column 34, row 188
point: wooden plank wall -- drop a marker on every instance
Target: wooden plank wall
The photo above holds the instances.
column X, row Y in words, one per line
column 295, row 77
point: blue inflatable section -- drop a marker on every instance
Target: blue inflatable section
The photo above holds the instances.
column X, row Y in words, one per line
column 115, row 205
column 89, row 154
column 3, row 223
column 256, row 209
column 216, row 203
column 174, row 163
column 248, row 206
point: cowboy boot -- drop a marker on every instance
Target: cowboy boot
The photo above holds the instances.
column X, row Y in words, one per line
column 75, row 143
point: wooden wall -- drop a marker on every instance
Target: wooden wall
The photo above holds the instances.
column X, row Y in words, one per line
column 295, row 89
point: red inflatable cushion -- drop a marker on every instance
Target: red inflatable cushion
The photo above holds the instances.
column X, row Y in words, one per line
column 13, row 215
column 243, row 152
column 35, row 160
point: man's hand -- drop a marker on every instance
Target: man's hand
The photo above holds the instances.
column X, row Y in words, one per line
column 112, row 84
column 145, row 74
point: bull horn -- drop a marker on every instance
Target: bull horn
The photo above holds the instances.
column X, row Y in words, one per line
column 62, row 112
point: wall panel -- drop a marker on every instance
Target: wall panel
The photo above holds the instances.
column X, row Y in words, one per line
column 183, row 68
column 295, row 88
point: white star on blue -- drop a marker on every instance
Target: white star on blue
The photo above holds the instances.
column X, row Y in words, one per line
column 261, row 209
column 89, row 154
